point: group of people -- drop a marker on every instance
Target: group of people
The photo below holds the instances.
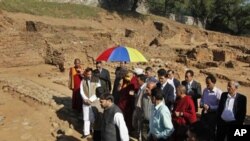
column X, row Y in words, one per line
column 151, row 108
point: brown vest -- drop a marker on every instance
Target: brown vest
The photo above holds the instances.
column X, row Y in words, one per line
column 89, row 91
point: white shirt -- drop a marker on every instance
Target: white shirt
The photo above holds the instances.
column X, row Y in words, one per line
column 120, row 123
column 139, row 94
column 228, row 114
column 171, row 82
column 100, row 70
column 163, row 85
column 189, row 86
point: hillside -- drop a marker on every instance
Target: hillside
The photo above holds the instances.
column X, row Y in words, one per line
column 30, row 63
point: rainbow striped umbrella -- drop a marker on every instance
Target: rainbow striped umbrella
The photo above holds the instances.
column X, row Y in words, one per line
column 121, row 53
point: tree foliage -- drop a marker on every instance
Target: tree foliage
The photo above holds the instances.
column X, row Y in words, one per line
column 231, row 16
column 203, row 10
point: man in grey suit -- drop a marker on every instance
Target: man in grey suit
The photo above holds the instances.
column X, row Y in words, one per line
column 138, row 112
column 104, row 76
column 193, row 87
column 146, row 105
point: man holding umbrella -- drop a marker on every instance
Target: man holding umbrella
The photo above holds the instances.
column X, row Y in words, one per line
column 104, row 76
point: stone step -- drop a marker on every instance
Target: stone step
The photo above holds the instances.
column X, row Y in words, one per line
column 27, row 89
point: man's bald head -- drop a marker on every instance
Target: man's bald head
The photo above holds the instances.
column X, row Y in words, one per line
column 150, row 86
column 234, row 83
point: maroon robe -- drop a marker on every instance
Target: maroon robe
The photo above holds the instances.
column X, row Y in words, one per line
column 76, row 96
column 127, row 103
column 185, row 105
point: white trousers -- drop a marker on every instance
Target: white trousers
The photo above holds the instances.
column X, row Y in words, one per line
column 88, row 118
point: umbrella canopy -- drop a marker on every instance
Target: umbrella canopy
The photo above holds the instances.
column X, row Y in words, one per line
column 121, row 53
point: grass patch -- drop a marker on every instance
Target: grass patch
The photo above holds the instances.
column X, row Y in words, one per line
column 53, row 9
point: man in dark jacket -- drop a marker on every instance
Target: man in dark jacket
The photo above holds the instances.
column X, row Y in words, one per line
column 168, row 90
column 231, row 110
column 193, row 87
column 172, row 78
column 104, row 76
column 113, row 125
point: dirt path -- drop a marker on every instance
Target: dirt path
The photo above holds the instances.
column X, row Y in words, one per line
column 23, row 121
column 34, row 107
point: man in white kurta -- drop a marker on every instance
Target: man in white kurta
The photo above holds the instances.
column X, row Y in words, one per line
column 87, row 89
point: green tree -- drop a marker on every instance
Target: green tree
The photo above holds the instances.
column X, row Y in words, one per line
column 231, row 16
column 169, row 6
column 156, row 6
column 242, row 20
column 177, row 7
column 202, row 10
column 227, row 9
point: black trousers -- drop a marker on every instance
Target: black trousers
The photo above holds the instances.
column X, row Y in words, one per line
column 145, row 130
column 180, row 133
column 97, row 135
column 209, row 120
column 223, row 128
column 150, row 138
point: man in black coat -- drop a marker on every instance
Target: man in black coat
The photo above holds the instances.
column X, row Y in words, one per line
column 231, row 110
column 193, row 87
column 104, row 76
column 113, row 126
column 168, row 90
column 172, row 78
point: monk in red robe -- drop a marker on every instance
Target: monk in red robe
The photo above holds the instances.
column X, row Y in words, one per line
column 183, row 113
column 126, row 90
column 75, row 77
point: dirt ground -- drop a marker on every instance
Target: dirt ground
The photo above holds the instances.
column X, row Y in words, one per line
column 35, row 102
column 30, row 120
column 23, row 121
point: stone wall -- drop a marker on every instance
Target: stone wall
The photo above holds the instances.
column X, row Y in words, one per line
column 110, row 4
column 224, row 56
column 200, row 54
column 142, row 8
column 85, row 2
column 188, row 20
